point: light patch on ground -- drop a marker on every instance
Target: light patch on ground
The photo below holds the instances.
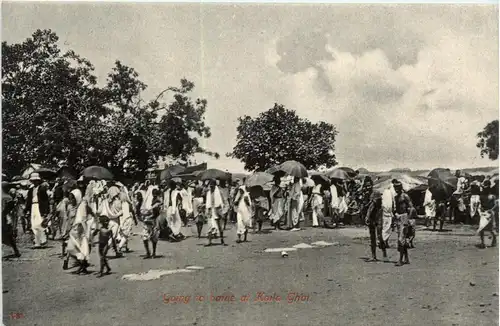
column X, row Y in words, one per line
column 195, row 267
column 279, row 249
column 303, row 246
column 324, row 244
column 153, row 274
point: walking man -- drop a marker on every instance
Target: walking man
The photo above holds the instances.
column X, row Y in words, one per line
column 373, row 220
column 38, row 206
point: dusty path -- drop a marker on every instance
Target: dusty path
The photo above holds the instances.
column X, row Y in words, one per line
column 449, row 282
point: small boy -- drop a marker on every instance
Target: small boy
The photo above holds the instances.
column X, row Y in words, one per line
column 105, row 235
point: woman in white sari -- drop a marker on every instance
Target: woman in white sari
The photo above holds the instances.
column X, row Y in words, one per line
column 278, row 203
column 74, row 200
column 111, row 206
column 213, row 209
column 243, row 202
column 317, row 205
column 79, row 242
column 338, row 202
column 127, row 219
column 296, row 205
column 173, row 216
column 150, row 210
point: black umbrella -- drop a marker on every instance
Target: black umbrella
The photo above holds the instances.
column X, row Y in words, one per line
column 256, row 192
column 195, row 175
column 321, row 179
column 172, row 171
column 293, row 168
column 97, row 172
column 46, row 173
column 442, row 182
column 215, row 174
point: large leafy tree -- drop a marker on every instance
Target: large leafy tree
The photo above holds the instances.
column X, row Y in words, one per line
column 279, row 135
column 53, row 110
column 488, row 140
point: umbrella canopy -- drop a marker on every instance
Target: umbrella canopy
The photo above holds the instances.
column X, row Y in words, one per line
column 321, row 179
column 259, row 179
column 293, row 168
column 172, row 171
column 215, row 174
column 177, row 180
column 46, row 173
column 256, row 192
column 442, row 181
column 341, row 173
column 195, row 175
column 97, row 172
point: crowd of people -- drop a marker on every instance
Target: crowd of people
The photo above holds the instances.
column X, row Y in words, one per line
column 92, row 212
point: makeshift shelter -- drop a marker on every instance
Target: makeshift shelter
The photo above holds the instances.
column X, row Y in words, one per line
column 407, row 181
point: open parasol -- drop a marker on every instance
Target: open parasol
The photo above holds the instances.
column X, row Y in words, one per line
column 177, row 180
column 259, row 179
column 195, row 175
column 172, row 171
column 293, row 168
column 321, row 179
column 256, row 191
column 46, row 173
column 97, row 172
column 341, row 173
column 215, row 174
column 442, row 181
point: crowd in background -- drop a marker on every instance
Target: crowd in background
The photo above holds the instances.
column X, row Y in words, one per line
column 88, row 211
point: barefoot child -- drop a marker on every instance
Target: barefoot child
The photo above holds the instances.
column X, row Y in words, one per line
column 150, row 213
column 105, row 235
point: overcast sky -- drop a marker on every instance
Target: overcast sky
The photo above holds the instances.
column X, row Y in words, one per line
column 406, row 85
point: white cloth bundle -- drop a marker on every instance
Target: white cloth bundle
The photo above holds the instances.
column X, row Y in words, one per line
column 387, row 205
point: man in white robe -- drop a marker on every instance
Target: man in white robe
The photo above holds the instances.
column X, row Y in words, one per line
column 213, row 207
column 38, row 208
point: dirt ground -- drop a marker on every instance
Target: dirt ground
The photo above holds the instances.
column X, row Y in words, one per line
column 449, row 282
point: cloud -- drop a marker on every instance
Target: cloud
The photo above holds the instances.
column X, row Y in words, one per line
column 421, row 113
column 406, row 85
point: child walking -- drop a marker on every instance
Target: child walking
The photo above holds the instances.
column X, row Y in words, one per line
column 105, row 235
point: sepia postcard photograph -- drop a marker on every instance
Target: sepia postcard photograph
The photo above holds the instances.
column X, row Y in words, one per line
column 260, row 164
